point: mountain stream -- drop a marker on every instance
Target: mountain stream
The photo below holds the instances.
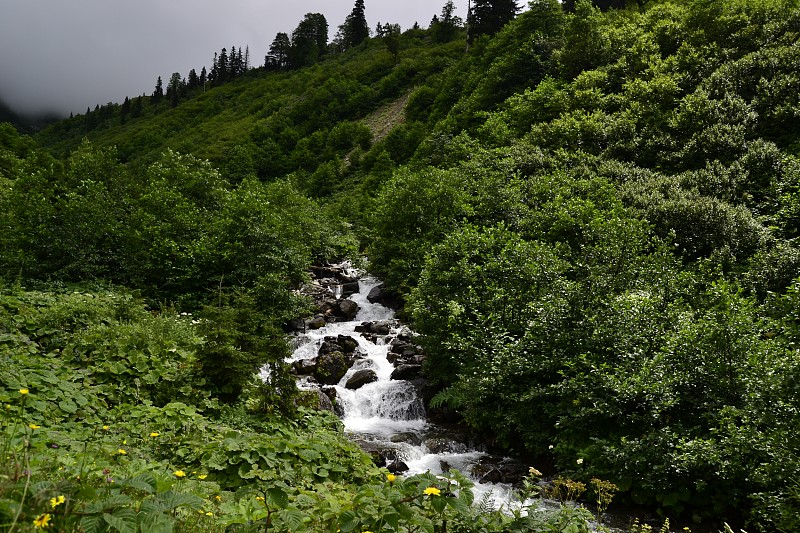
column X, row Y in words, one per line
column 387, row 416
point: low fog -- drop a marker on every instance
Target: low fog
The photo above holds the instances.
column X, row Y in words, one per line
column 64, row 56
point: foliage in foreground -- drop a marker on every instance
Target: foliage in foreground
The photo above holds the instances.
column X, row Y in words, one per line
column 106, row 426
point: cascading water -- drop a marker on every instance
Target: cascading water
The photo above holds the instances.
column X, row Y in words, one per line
column 388, row 415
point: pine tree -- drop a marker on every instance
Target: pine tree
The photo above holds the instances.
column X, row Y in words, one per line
column 194, row 81
column 158, row 94
column 355, row 29
column 278, row 55
column 214, row 74
column 203, row 78
column 487, row 16
column 233, row 64
column 222, row 66
column 444, row 28
column 246, row 64
column 174, row 89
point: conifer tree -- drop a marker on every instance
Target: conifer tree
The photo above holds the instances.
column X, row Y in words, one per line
column 233, row 63
column 214, row 74
column 278, row 55
column 203, row 78
column 444, row 28
column 174, row 89
column 194, row 81
column 355, row 28
column 486, row 17
column 222, row 66
column 158, row 93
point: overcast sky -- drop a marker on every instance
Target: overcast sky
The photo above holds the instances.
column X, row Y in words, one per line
column 67, row 55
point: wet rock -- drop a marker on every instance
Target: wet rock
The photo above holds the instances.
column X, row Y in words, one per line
column 295, row 324
column 361, row 378
column 324, row 271
column 347, row 309
column 348, row 343
column 304, row 367
column 325, row 402
column 445, row 446
column 405, row 334
column 330, row 392
column 407, row 372
column 326, row 307
column 493, row 476
column 379, row 294
column 513, row 473
column 350, row 288
column 378, row 327
column 409, row 437
column 393, row 357
column 378, row 459
column 315, row 323
column 331, row 367
column 329, row 345
column 397, row 466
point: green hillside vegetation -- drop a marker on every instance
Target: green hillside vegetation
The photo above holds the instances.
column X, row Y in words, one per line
column 592, row 217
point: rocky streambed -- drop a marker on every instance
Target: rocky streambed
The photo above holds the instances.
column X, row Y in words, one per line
column 367, row 367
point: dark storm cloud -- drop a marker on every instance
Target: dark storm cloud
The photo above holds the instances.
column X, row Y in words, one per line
column 67, row 55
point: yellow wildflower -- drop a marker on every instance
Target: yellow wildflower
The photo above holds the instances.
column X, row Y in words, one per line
column 579, row 461
column 24, row 391
column 218, row 497
column 42, row 521
column 55, row 502
column 201, row 477
column 432, row 491
column 209, row 513
column 391, row 477
column 180, row 473
column 33, row 426
column 155, row 434
column 259, row 498
column 106, row 428
column 122, row 452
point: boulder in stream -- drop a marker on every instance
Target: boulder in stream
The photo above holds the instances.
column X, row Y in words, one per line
column 347, row 309
column 350, row 288
column 361, row 378
column 397, row 466
column 407, row 372
column 331, row 367
column 378, row 327
column 304, row 367
column 315, row 323
column 381, row 295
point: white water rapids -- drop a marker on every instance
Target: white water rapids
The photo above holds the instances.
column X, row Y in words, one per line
column 388, row 415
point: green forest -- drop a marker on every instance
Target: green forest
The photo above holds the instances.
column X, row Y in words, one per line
column 589, row 210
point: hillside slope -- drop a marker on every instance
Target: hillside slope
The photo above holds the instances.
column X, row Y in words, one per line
column 592, row 215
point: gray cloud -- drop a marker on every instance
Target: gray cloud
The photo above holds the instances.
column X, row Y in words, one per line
column 67, row 55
